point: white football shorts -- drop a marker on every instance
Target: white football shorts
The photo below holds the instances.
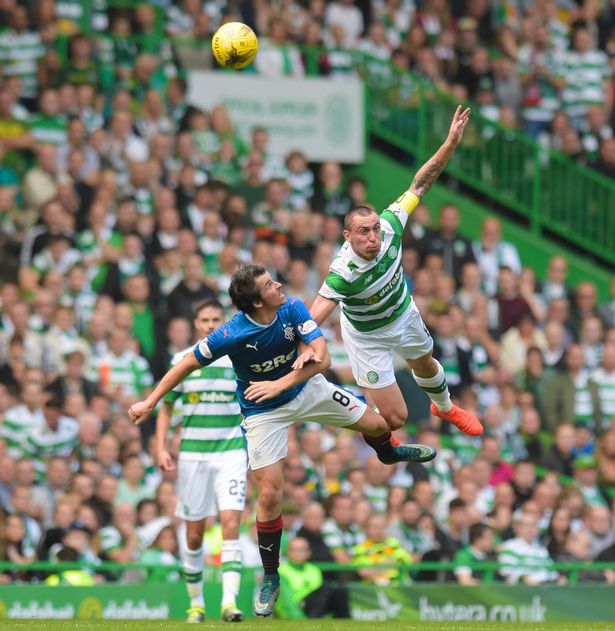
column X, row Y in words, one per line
column 371, row 353
column 320, row 401
column 205, row 488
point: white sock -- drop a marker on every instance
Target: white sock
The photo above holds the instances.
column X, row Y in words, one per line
column 231, row 571
column 436, row 388
column 194, row 561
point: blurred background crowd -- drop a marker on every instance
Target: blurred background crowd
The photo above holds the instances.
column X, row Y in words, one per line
column 122, row 208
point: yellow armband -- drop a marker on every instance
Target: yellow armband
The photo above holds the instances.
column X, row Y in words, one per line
column 408, row 201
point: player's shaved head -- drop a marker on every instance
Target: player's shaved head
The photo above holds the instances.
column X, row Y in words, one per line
column 358, row 211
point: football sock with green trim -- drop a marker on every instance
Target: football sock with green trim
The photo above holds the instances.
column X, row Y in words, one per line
column 436, row 388
column 194, row 561
column 231, row 571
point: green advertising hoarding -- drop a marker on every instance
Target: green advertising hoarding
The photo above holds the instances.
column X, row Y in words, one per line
column 433, row 602
column 496, row 603
column 147, row 601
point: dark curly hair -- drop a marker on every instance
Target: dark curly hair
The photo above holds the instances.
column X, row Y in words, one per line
column 243, row 289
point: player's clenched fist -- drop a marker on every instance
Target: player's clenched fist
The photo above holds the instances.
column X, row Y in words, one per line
column 139, row 412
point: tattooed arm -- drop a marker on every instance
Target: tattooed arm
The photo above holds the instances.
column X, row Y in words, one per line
column 431, row 170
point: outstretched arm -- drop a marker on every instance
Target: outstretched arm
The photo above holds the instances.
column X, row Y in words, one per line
column 140, row 411
column 431, row 170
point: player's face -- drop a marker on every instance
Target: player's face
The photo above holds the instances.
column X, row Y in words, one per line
column 271, row 291
column 208, row 320
column 365, row 236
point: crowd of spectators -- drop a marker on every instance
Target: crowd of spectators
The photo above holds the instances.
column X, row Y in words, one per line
column 121, row 208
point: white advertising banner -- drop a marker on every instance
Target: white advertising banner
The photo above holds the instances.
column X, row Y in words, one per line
column 322, row 118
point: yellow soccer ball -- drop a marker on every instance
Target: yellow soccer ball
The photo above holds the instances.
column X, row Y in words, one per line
column 234, row 45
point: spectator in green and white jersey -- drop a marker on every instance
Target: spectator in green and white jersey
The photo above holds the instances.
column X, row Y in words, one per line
column 339, row 531
column 121, row 371
column 527, row 561
column 587, row 72
column 57, row 437
column 59, row 256
column 49, row 125
column 20, row 51
column 119, row 541
column 22, row 420
column 604, row 377
column 479, row 549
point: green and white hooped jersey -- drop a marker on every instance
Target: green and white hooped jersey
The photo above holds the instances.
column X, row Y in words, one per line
column 372, row 293
column 211, row 415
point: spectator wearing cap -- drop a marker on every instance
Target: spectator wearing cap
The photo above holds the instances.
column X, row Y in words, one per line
column 586, row 479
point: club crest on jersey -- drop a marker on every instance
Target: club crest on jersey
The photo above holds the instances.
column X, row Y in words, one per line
column 393, row 252
column 194, row 398
column 289, row 332
column 372, row 300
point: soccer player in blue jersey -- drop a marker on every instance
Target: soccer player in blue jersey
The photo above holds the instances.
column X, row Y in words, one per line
column 262, row 342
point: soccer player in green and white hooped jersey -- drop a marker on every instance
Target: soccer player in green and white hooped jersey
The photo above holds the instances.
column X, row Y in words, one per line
column 378, row 313
column 212, row 465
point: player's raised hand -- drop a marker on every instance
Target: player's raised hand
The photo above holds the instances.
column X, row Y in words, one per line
column 458, row 125
column 259, row 391
column 139, row 412
column 165, row 461
column 309, row 355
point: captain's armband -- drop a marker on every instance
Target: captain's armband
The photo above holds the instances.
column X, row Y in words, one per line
column 408, row 201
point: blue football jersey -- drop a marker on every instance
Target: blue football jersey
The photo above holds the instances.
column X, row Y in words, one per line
column 261, row 352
